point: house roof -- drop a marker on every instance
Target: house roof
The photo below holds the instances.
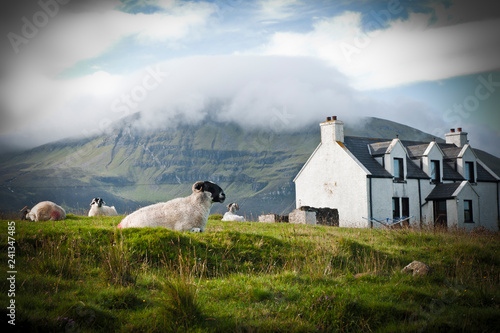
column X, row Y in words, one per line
column 363, row 148
column 449, row 172
column 413, row 171
column 450, row 150
column 483, row 175
column 366, row 149
column 359, row 148
column 378, row 148
column 416, row 151
column 443, row 191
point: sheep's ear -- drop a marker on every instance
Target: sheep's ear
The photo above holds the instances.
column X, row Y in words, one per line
column 199, row 186
column 25, row 208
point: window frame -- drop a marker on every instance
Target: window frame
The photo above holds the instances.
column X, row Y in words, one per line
column 435, row 171
column 468, row 213
column 405, row 207
column 400, row 169
column 469, row 172
column 396, row 208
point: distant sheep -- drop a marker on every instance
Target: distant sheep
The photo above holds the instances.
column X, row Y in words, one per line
column 183, row 214
column 44, row 211
column 97, row 208
column 230, row 216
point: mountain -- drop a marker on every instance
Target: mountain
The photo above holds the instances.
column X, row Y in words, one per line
column 130, row 168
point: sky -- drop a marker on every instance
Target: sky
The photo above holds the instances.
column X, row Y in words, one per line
column 73, row 68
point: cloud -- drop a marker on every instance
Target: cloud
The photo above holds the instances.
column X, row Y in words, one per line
column 272, row 11
column 67, row 37
column 277, row 93
column 407, row 51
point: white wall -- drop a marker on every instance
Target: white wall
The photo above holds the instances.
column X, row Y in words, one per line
column 333, row 179
column 488, row 214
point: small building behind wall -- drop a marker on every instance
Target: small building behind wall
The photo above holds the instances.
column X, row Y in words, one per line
column 438, row 184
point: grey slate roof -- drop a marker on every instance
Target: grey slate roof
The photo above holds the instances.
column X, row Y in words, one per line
column 450, row 150
column 416, row 151
column 379, row 148
column 483, row 175
column 413, row 171
column 449, row 172
column 443, row 191
column 361, row 148
column 366, row 149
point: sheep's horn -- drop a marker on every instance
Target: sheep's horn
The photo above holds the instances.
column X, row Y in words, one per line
column 198, row 186
column 25, row 207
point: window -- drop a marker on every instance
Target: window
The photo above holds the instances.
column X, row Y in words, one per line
column 399, row 173
column 468, row 211
column 435, row 171
column 469, row 172
column 395, row 208
column 405, row 203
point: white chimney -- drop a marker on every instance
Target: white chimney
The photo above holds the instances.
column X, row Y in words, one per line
column 332, row 130
column 458, row 138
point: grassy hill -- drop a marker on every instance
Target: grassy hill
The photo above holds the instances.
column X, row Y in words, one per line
column 129, row 168
column 84, row 275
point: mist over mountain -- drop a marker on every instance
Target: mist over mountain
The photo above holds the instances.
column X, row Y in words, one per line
column 130, row 168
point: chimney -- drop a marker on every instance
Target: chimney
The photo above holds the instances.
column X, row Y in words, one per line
column 458, row 138
column 332, row 130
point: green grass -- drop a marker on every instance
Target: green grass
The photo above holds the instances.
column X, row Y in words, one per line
column 84, row 275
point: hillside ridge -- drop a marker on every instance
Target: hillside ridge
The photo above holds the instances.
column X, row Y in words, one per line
column 130, row 168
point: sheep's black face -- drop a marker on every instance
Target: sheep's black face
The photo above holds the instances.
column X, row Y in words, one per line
column 97, row 201
column 24, row 213
column 218, row 194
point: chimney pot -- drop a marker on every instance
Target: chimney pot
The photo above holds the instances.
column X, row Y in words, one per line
column 459, row 129
column 328, row 118
column 334, row 117
column 452, row 130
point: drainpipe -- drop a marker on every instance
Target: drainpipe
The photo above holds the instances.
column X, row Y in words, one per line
column 498, row 206
column 419, row 201
column 371, row 208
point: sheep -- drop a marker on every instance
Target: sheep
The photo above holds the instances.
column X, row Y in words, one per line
column 97, row 208
column 182, row 214
column 45, row 211
column 230, row 216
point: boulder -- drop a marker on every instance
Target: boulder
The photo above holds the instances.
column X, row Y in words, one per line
column 418, row 268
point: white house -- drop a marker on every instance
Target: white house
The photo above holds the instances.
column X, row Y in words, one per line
column 437, row 184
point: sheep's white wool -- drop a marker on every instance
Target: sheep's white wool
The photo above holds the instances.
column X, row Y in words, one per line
column 97, row 208
column 230, row 215
column 46, row 211
column 183, row 214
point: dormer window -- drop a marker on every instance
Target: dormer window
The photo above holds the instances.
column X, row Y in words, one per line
column 435, row 171
column 399, row 173
column 469, row 172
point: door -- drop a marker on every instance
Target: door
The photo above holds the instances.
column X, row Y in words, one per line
column 440, row 218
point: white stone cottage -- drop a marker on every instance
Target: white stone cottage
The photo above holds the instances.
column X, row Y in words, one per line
column 438, row 184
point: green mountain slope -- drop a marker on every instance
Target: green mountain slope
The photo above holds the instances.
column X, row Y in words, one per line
column 130, row 169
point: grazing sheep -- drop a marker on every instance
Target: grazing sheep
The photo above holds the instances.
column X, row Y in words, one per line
column 97, row 208
column 230, row 216
column 45, row 211
column 183, row 214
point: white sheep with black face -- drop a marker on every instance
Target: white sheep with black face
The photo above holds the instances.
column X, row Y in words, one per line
column 44, row 211
column 183, row 214
column 97, row 208
column 230, row 215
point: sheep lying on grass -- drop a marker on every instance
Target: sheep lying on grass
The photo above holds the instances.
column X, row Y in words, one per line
column 97, row 208
column 44, row 211
column 183, row 214
column 231, row 216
